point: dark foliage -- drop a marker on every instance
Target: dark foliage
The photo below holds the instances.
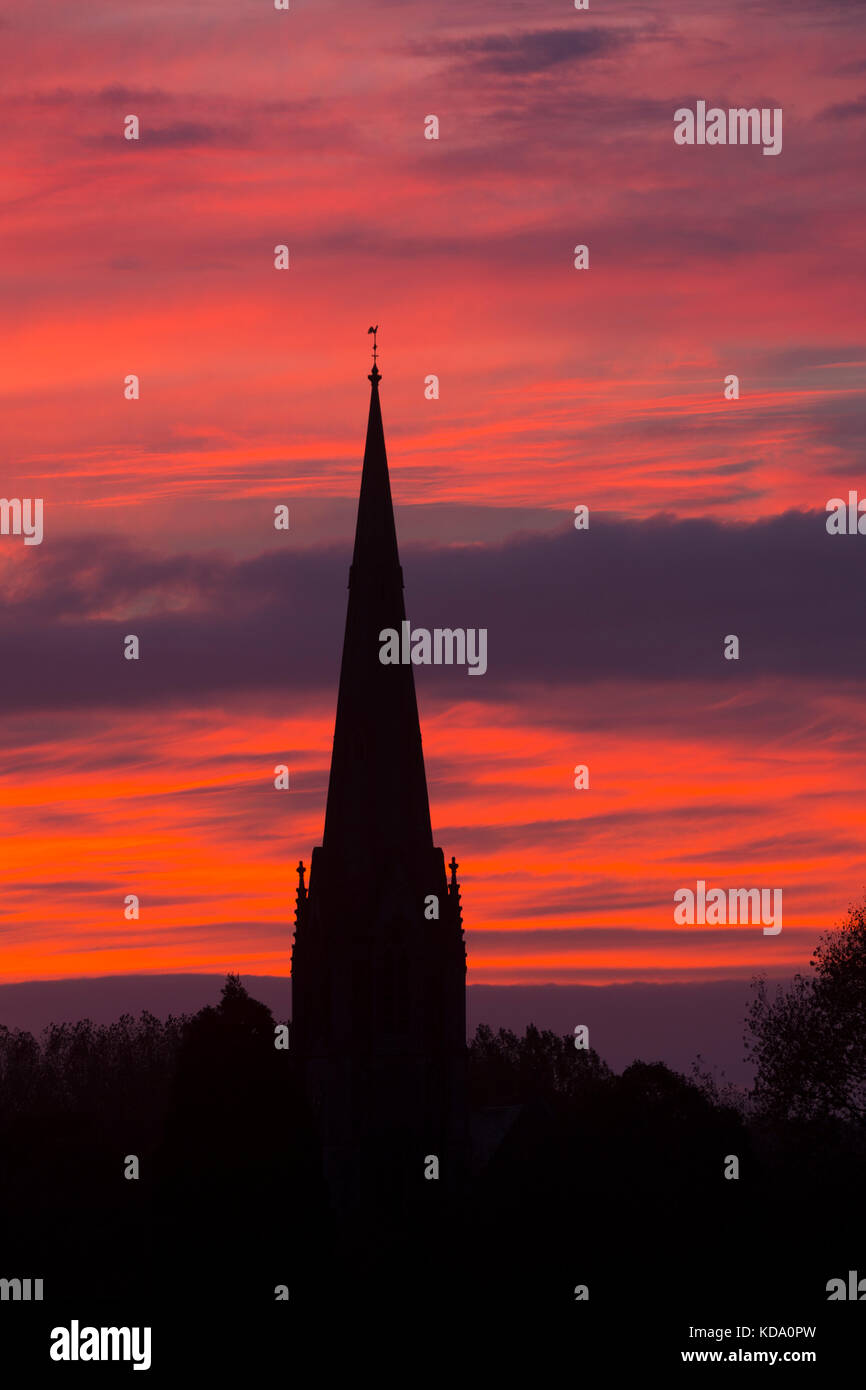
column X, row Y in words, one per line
column 579, row 1174
column 808, row 1041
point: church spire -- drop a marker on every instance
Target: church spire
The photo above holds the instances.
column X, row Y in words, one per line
column 377, row 794
column 379, row 959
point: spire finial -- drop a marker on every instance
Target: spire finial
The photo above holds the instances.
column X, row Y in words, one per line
column 375, row 375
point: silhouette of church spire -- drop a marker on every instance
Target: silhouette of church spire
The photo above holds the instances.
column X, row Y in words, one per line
column 377, row 794
column 379, row 959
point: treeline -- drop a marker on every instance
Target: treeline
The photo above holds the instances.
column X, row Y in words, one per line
column 572, row 1164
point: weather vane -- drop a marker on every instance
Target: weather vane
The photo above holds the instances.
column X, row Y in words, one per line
column 374, row 330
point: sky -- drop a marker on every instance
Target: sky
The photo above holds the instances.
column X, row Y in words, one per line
column 557, row 387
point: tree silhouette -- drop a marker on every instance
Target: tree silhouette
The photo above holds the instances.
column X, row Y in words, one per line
column 505, row 1069
column 238, row 1139
column 575, row 1166
column 808, row 1040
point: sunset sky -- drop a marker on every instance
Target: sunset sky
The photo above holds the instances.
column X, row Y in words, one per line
column 557, row 387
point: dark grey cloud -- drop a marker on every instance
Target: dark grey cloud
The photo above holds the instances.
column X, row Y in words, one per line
column 808, row 356
column 559, row 833
column 116, row 93
column 625, row 939
column 532, row 51
column 730, row 470
column 181, row 133
column 631, row 601
column 177, row 135
column 825, row 11
column 82, row 887
column 844, row 111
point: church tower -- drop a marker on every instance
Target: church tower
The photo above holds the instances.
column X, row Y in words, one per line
column 379, row 961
